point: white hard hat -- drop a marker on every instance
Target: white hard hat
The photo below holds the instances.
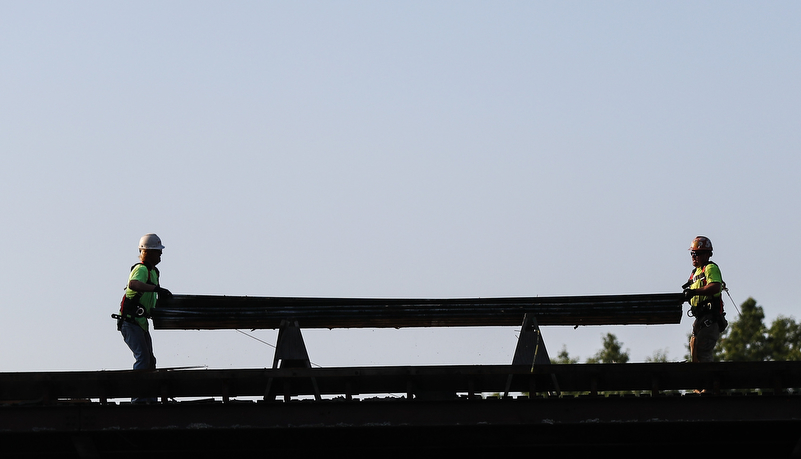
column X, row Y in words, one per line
column 150, row 242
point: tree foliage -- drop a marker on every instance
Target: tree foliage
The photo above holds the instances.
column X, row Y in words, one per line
column 660, row 355
column 745, row 337
column 563, row 357
column 612, row 351
column 748, row 339
column 784, row 339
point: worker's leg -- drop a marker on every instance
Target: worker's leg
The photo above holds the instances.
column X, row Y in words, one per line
column 702, row 343
column 141, row 344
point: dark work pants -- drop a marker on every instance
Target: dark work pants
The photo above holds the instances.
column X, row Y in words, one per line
column 141, row 344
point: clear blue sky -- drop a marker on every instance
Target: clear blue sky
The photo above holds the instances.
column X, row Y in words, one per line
column 390, row 149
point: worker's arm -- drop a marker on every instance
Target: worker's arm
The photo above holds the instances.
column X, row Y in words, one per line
column 139, row 286
column 710, row 289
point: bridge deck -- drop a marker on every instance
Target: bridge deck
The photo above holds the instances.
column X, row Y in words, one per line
column 58, row 415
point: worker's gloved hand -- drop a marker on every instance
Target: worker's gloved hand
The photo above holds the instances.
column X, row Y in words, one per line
column 689, row 293
column 163, row 293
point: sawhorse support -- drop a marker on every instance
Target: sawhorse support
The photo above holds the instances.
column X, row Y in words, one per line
column 290, row 352
column 530, row 350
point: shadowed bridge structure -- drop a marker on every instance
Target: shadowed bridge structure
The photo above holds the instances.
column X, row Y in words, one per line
column 748, row 409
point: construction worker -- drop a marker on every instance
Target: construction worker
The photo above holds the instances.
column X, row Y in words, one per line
column 703, row 291
column 140, row 297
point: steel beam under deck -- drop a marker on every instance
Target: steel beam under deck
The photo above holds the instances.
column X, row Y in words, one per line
column 630, row 427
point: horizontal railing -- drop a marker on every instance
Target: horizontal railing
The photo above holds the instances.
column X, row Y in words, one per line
column 50, row 387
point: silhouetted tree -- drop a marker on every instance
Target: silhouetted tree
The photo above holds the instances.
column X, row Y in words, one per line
column 612, row 352
column 748, row 339
column 564, row 357
column 660, row 355
column 745, row 339
column 784, row 339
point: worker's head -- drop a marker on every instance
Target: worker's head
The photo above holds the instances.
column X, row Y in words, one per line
column 150, row 241
column 700, row 250
column 150, row 248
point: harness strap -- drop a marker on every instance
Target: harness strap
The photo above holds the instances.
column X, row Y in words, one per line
column 130, row 308
column 712, row 309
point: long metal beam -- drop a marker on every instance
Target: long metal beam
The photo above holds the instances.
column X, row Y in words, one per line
column 234, row 312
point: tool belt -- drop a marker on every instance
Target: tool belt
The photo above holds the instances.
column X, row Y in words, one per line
column 702, row 309
column 130, row 310
column 707, row 314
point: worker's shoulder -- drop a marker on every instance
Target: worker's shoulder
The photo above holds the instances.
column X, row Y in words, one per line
column 140, row 270
column 712, row 269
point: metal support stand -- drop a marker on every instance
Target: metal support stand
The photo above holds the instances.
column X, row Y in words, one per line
column 290, row 352
column 530, row 350
column 530, row 346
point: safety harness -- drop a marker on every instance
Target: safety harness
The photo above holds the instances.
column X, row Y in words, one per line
column 130, row 308
column 713, row 306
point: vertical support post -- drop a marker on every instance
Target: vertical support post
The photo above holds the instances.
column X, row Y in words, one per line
column 654, row 385
column 165, row 392
column 349, row 391
column 226, row 391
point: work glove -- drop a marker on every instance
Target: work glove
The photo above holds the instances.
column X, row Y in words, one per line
column 163, row 293
column 689, row 293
